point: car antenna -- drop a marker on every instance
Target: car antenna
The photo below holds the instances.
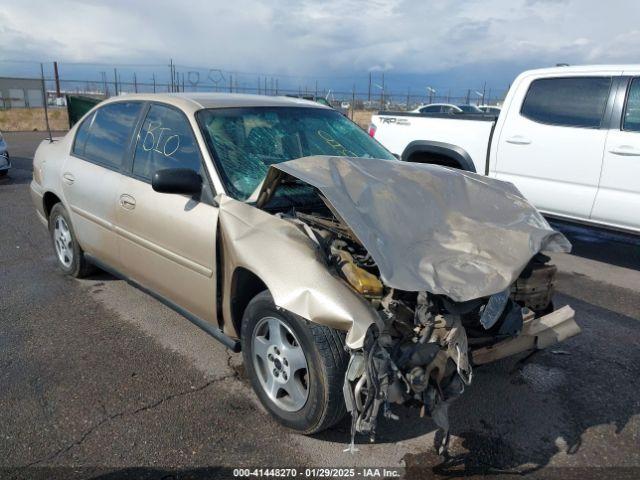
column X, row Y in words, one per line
column 44, row 101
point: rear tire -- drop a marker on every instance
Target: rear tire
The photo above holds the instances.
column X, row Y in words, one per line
column 326, row 362
column 69, row 255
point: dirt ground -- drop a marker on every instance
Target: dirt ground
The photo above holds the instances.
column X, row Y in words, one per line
column 32, row 119
column 362, row 117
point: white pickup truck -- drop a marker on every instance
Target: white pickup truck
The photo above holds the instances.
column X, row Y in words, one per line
column 567, row 137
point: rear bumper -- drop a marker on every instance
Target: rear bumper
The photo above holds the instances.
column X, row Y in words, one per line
column 537, row 333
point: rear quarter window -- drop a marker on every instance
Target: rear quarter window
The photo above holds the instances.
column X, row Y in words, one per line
column 109, row 133
column 570, row 102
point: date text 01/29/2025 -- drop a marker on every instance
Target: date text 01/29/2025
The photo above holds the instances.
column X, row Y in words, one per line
column 364, row 472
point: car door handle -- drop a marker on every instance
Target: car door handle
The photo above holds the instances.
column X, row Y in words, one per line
column 625, row 150
column 68, row 178
column 127, row 202
column 518, row 140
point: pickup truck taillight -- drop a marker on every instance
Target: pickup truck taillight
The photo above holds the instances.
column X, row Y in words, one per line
column 372, row 130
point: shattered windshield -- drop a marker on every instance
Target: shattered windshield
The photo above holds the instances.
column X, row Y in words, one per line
column 246, row 141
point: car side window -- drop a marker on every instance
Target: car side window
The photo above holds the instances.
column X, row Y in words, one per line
column 568, row 101
column 109, row 132
column 82, row 134
column 631, row 120
column 165, row 141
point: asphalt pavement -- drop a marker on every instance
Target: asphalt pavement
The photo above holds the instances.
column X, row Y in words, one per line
column 96, row 376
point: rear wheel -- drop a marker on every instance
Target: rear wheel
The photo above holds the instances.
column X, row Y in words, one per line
column 296, row 367
column 69, row 256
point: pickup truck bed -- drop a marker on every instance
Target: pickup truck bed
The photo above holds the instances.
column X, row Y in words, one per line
column 466, row 136
column 568, row 138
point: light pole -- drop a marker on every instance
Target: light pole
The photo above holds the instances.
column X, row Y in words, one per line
column 431, row 92
column 381, row 87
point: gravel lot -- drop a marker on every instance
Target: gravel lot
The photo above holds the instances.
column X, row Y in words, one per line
column 95, row 374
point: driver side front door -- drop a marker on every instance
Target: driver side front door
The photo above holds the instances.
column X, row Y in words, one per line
column 168, row 241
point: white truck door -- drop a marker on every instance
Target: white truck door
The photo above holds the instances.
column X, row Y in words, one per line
column 618, row 199
column 551, row 142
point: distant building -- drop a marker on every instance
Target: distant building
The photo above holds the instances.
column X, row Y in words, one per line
column 20, row 92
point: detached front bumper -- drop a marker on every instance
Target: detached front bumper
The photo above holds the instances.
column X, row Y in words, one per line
column 537, row 333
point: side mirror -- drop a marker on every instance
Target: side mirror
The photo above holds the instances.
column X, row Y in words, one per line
column 177, row 180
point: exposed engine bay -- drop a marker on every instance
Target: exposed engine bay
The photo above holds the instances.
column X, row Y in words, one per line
column 419, row 352
column 449, row 264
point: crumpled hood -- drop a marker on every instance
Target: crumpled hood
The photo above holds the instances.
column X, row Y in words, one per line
column 428, row 227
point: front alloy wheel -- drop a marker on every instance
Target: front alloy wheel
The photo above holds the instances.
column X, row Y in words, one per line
column 296, row 367
column 280, row 364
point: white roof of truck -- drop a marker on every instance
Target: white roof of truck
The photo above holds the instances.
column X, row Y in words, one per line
column 581, row 69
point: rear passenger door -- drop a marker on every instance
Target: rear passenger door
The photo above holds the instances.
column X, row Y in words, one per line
column 91, row 176
column 167, row 241
column 618, row 198
column 552, row 141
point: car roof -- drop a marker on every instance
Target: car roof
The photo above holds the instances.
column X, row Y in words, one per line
column 193, row 101
column 438, row 105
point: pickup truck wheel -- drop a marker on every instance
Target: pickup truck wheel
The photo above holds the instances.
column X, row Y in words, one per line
column 69, row 256
column 295, row 367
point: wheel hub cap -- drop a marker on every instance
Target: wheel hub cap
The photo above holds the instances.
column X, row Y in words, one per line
column 63, row 241
column 280, row 364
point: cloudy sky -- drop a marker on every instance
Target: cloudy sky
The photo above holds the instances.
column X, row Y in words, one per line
column 462, row 39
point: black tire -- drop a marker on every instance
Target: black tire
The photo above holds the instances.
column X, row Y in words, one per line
column 326, row 359
column 80, row 266
column 3, row 173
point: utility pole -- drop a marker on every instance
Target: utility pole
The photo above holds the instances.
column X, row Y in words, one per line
column 171, row 72
column 276, row 86
column 115, row 81
column 135, row 83
column 183, row 82
column 408, row 95
column 230, row 83
column 57, row 77
column 44, row 99
column 103, row 76
column 153, row 77
column 484, row 88
column 369, row 95
column 382, row 94
column 468, row 96
column 353, row 101
column 317, row 88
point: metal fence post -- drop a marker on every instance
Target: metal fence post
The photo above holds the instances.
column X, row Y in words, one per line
column 44, row 98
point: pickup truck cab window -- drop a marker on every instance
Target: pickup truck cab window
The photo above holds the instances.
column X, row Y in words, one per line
column 108, row 133
column 631, row 120
column 569, row 101
column 246, row 141
column 164, row 141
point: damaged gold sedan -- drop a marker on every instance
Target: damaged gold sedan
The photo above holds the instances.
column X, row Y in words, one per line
column 350, row 280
